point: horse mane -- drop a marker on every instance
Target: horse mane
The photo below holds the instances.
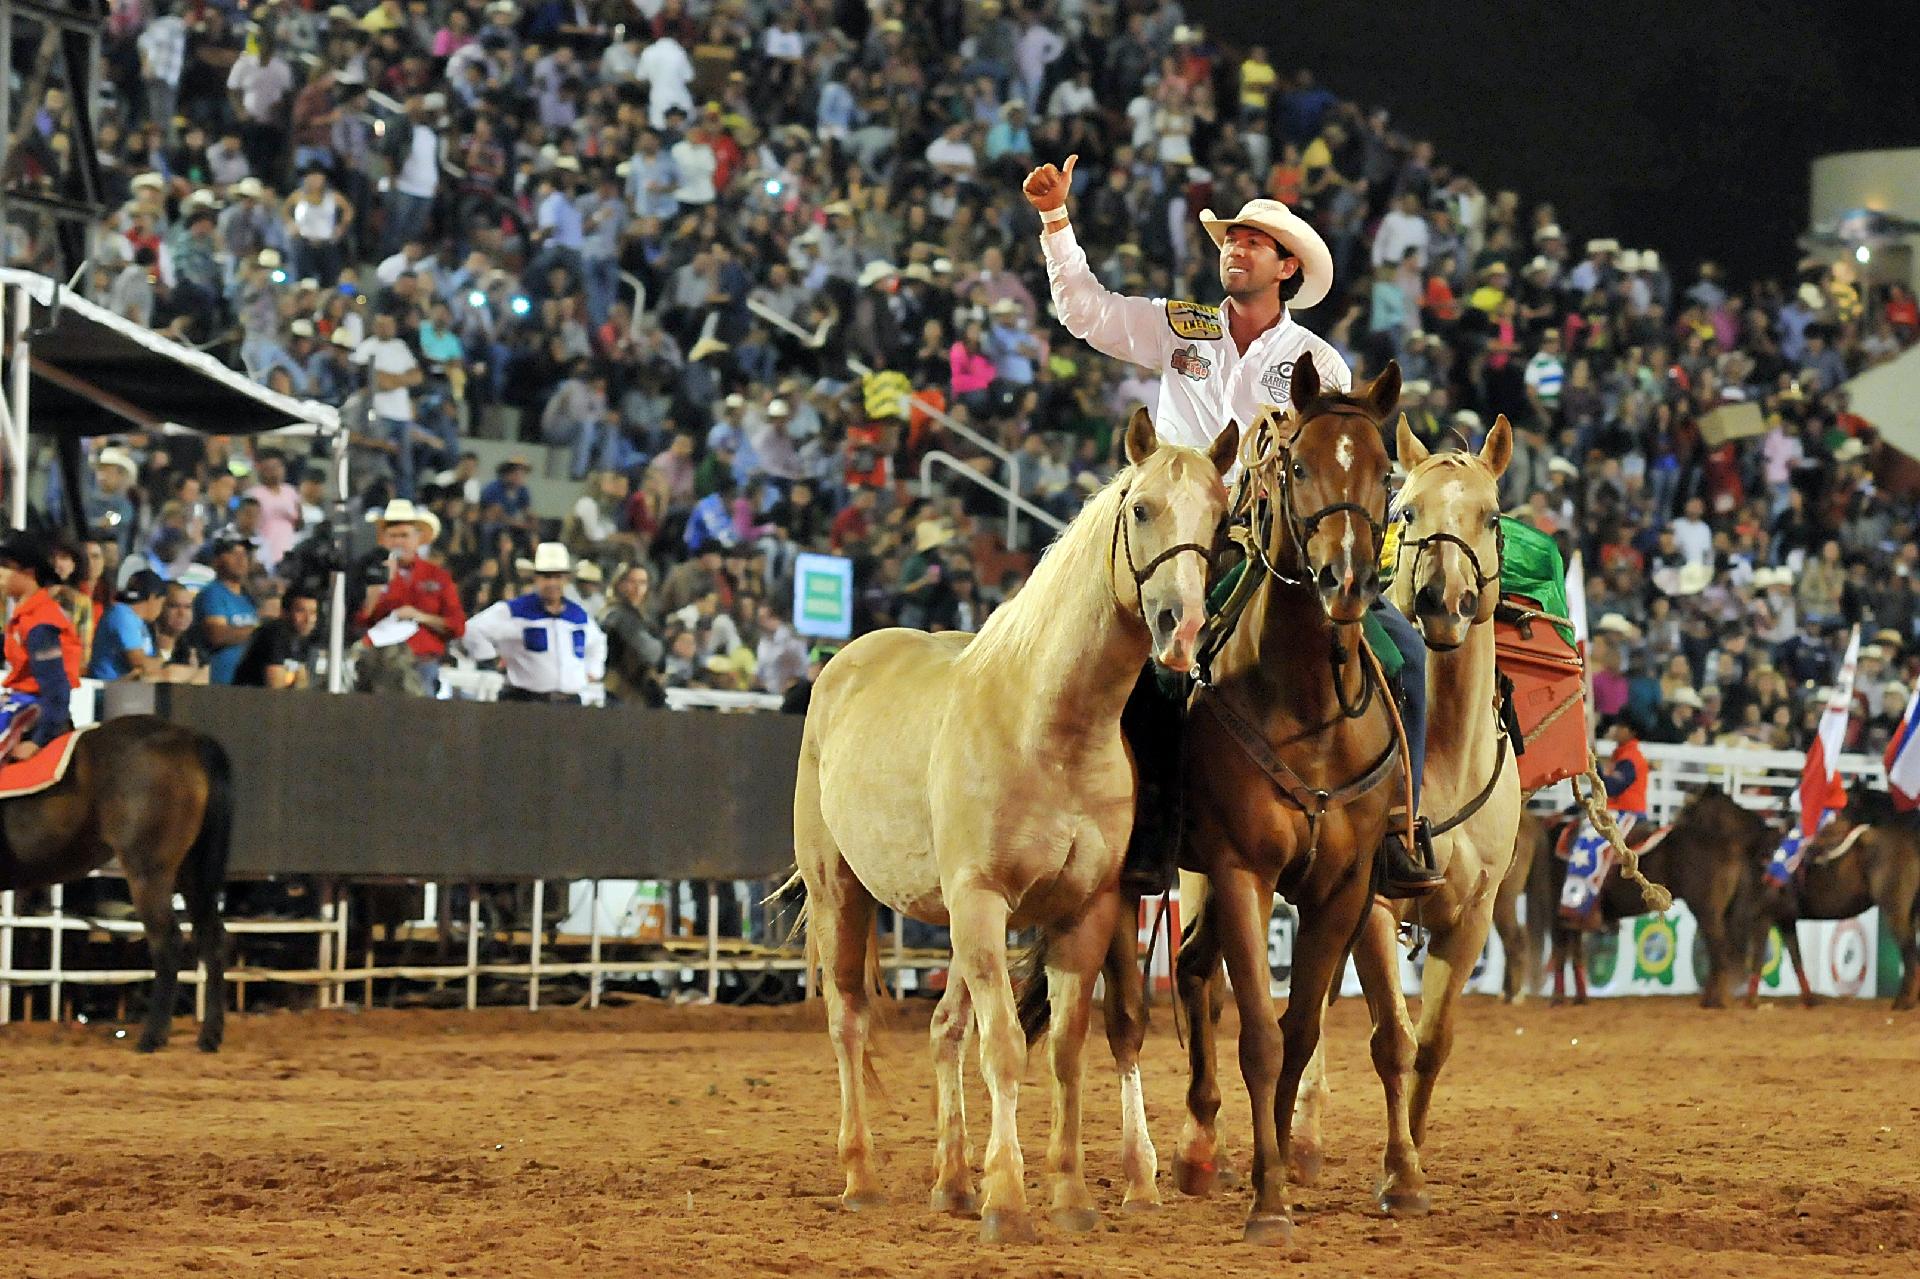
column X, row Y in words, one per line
column 1055, row 596
column 1332, row 401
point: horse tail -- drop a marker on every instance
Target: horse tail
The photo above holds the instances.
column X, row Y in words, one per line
column 207, row 856
column 1029, row 972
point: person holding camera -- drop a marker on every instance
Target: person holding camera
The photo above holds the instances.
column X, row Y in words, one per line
column 415, row 592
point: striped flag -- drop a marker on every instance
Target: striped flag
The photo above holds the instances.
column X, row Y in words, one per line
column 1903, row 758
column 1821, row 790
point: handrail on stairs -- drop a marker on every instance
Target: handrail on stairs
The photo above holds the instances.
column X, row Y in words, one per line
column 1015, row 503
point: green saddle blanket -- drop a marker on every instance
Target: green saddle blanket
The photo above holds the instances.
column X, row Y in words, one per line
column 1377, row 638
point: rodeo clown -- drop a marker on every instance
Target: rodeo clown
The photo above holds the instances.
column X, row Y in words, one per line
column 1219, row 364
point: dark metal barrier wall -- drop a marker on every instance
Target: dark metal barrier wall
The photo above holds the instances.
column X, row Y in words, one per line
column 357, row 785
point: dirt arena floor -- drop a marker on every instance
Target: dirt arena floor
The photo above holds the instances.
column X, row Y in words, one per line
column 1628, row 1138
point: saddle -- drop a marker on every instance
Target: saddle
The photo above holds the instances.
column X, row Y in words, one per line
column 22, row 777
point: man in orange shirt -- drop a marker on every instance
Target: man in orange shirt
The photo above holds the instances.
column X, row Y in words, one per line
column 418, row 591
column 42, row 652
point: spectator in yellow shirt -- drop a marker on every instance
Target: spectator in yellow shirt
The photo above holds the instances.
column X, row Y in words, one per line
column 1257, row 77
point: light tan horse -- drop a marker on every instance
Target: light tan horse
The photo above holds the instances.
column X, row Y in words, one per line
column 1448, row 582
column 982, row 782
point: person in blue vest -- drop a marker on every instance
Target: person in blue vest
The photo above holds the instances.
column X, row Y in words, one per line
column 551, row 647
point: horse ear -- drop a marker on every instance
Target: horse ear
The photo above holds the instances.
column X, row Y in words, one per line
column 1225, row 448
column 1498, row 450
column 1411, row 451
column 1305, row 387
column 1142, row 440
column 1384, row 392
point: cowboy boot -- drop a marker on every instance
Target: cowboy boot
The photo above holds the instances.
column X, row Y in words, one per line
column 1153, row 852
column 1408, row 872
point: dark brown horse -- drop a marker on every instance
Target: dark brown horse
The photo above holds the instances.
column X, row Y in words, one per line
column 158, row 797
column 1878, row 864
column 1528, row 878
column 1291, row 770
column 1711, row 860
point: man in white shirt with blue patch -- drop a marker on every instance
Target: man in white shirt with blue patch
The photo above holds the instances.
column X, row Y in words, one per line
column 551, row 647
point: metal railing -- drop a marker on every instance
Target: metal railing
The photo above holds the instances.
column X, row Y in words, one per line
column 1009, row 493
column 1015, row 503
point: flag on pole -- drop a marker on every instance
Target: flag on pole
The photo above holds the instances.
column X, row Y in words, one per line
column 1577, row 598
column 1821, row 790
column 1903, row 758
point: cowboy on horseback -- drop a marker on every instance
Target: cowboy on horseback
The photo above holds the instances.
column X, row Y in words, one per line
column 1216, row 365
column 42, row 652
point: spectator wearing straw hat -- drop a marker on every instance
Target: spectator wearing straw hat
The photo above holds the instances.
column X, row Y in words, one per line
column 417, row 592
column 550, row 648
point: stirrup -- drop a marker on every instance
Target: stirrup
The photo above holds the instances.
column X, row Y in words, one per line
column 1408, row 872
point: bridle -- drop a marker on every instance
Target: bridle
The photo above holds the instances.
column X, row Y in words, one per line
column 1481, row 578
column 1123, row 537
column 1268, row 456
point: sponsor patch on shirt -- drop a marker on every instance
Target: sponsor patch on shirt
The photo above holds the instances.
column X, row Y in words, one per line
column 1277, row 382
column 1194, row 322
column 1188, row 362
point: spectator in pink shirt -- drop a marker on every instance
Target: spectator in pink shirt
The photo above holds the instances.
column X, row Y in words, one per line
column 972, row 368
column 279, row 508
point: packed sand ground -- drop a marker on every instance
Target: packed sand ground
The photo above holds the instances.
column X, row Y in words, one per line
column 1626, row 1138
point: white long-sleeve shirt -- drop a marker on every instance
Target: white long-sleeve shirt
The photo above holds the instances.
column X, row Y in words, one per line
column 545, row 652
column 1205, row 379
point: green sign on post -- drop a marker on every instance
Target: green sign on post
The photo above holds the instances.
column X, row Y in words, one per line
column 823, row 596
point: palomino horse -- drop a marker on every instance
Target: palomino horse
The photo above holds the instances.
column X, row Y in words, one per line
column 159, row 798
column 1866, row 855
column 982, row 782
column 1527, row 879
column 1710, row 859
column 1287, row 751
column 1448, row 581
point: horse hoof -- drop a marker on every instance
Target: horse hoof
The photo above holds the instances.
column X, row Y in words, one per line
column 955, row 1203
column 150, row 1044
column 1904, row 1005
column 1007, row 1226
column 1196, row 1179
column 1141, row 1207
column 1075, row 1221
column 1404, row 1203
column 1303, row 1167
column 1814, row 1001
column 209, row 1045
column 1269, row 1230
column 861, row 1201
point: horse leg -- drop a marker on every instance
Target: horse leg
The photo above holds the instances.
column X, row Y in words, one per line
column 210, row 940
column 952, row 1179
column 841, row 931
column 1074, row 959
column 1898, row 913
column 1318, row 956
column 1450, row 959
column 1519, row 961
column 1557, row 960
column 1720, row 961
column 153, row 902
column 1578, row 945
column 1240, row 906
column 1197, row 1165
column 1307, row 1155
column 979, row 921
column 1402, row 1191
column 1790, row 938
column 1126, row 1018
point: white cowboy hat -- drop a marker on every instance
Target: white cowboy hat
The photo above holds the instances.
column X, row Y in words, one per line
column 1560, row 466
column 249, row 186
column 587, row 571
column 1467, row 418
column 779, row 408
column 401, row 511
column 1686, row 697
column 1628, row 261
column 1649, row 260
column 117, row 457
column 1618, row 625
column 341, row 337
column 1688, row 579
column 876, row 271
column 1811, row 296
column 1417, row 387
column 148, row 180
column 301, row 328
column 1551, row 231
column 1602, row 246
column 1293, row 233
column 548, row 557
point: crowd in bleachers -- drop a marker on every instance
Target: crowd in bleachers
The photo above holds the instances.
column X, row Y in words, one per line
column 655, row 244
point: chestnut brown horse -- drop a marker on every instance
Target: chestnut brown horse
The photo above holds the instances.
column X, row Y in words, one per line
column 1710, row 859
column 1292, row 765
column 1447, row 581
column 159, row 798
column 1866, row 855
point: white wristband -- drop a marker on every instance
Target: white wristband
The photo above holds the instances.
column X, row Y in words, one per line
column 1051, row 218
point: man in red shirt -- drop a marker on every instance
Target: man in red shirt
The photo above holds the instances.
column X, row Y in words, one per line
column 417, row 591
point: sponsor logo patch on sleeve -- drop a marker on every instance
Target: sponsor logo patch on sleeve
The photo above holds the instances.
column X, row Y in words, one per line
column 1194, row 322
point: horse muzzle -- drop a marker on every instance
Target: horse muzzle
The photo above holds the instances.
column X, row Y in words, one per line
column 1176, row 636
column 1346, row 592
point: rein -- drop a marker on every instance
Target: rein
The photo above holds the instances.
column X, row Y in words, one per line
column 1123, row 535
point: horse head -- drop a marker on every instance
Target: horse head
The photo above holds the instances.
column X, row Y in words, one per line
column 1324, row 467
column 1173, row 504
column 1450, row 548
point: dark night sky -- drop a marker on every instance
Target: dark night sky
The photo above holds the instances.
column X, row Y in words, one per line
column 1685, row 128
